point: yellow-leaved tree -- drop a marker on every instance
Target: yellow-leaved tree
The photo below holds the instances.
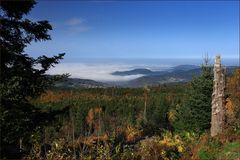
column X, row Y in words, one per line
column 233, row 100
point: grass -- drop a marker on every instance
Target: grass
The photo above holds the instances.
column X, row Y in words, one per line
column 230, row 151
column 213, row 149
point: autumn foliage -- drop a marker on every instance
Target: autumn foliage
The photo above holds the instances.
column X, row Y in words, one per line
column 233, row 99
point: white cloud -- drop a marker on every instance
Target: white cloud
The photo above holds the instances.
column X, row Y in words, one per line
column 80, row 29
column 98, row 72
column 76, row 25
column 74, row 21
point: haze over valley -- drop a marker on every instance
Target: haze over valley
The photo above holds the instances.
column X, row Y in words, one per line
column 131, row 72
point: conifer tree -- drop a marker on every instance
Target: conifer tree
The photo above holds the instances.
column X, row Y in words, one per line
column 21, row 76
column 195, row 112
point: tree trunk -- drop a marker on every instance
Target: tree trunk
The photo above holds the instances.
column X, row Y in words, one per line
column 218, row 109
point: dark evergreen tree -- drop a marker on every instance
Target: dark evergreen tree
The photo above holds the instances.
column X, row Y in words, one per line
column 195, row 112
column 21, row 76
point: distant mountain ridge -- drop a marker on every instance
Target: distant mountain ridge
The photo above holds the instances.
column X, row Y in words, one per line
column 185, row 67
column 148, row 72
column 176, row 74
column 79, row 83
column 133, row 72
column 180, row 74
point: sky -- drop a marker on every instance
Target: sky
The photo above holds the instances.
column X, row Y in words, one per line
column 138, row 29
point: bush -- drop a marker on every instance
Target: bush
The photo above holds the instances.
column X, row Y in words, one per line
column 168, row 147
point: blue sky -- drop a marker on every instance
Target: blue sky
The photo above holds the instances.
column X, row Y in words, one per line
column 139, row 29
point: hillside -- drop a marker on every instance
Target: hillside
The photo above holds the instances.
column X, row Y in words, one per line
column 133, row 72
column 178, row 74
column 79, row 83
column 114, row 117
column 148, row 72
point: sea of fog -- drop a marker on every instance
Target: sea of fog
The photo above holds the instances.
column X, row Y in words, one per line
column 100, row 69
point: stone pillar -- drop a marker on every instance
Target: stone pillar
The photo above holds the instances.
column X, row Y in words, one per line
column 218, row 109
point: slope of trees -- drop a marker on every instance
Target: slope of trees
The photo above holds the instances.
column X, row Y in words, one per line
column 108, row 123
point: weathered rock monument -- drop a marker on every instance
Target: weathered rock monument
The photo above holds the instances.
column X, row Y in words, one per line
column 218, row 109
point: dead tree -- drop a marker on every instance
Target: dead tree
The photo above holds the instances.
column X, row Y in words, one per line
column 218, row 109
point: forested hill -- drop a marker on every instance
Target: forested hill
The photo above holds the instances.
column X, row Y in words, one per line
column 177, row 74
column 79, row 83
column 149, row 72
column 134, row 72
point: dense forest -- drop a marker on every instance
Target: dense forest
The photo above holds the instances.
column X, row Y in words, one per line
column 165, row 122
